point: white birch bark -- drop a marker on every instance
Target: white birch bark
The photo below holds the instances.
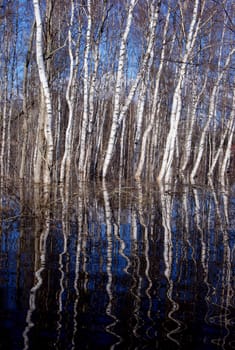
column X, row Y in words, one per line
column 231, row 129
column 11, row 94
column 5, row 102
column 155, row 9
column 193, row 115
column 46, row 94
column 70, row 102
column 117, row 114
column 220, row 148
column 95, row 52
column 227, row 154
column 96, row 64
column 25, row 109
column 122, row 149
column 122, row 55
column 155, row 104
column 85, row 120
column 140, row 114
column 213, row 138
column 100, row 131
column 4, row 126
column 38, row 156
column 165, row 170
column 210, row 116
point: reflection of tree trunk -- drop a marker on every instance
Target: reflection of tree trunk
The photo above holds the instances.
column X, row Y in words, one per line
column 205, row 253
column 225, row 294
column 62, row 268
column 166, row 203
column 80, row 213
column 108, row 220
column 40, row 260
column 136, row 275
column 146, row 240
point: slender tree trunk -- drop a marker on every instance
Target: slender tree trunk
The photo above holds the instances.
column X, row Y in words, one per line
column 38, row 157
column 122, row 55
column 155, row 104
column 212, row 106
column 230, row 136
column 46, row 95
column 5, row 103
column 220, row 148
column 25, row 109
column 196, row 97
column 70, row 93
column 85, row 120
column 118, row 114
column 4, row 125
column 165, row 170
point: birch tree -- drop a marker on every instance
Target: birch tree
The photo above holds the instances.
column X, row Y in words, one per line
column 156, row 102
column 70, row 96
column 228, row 133
column 196, row 98
column 46, row 98
column 121, row 61
column 211, row 112
column 5, row 109
column 118, row 114
column 166, row 167
column 7, row 77
column 103, row 13
column 85, row 119
column 25, row 129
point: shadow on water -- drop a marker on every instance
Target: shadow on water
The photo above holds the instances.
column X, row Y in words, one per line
column 118, row 267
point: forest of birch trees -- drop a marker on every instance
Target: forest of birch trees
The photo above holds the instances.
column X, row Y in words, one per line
column 131, row 89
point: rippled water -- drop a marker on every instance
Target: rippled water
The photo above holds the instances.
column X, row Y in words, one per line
column 119, row 268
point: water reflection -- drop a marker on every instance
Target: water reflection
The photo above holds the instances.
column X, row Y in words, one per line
column 118, row 268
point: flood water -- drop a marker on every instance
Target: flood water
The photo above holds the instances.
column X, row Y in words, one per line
column 118, row 267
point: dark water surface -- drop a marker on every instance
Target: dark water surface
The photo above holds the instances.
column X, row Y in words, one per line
column 118, row 268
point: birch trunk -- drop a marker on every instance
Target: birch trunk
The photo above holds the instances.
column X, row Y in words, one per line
column 122, row 56
column 165, row 170
column 230, row 135
column 220, row 148
column 46, row 95
column 25, row 109
column 70, row 96
column 155, row 104
column 4, row 126
column 139, row 118
column 85, row 119
column 210, row 116
column 188, row 142
column 214, row 126
column 95, row 59
column 38, row 156
column 117, row 114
